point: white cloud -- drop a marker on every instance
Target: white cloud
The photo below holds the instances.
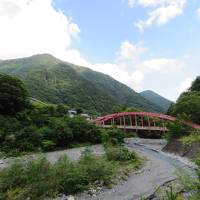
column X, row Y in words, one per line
column 131, row 3
column 33, row 26
column 162, row 11
column 131, row 51
column 185, row 85
column 164, row 65
column 137, row 76
column 131, row 68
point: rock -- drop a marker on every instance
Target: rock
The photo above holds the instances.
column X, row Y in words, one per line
column 70, row 197
column 92, row 191
column 99, row 188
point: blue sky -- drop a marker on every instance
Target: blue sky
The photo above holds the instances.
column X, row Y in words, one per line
column 146, row 44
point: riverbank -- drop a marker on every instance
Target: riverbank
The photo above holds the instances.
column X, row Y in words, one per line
column 182, row 149
column 160, row 168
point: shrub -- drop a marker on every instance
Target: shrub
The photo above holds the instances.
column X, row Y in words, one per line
column 39, row 179
column 120, row 153
column 83, row 131
column 99, row 170
column 191, row 182
column 177, row 129
column 48, row 145
column 35, row 131
column 35, row 180
column 113, row 136
column 171, row 195
column 191, row 138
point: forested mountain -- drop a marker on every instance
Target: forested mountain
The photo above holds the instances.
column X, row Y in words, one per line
column 157, row 99
column 51, row 80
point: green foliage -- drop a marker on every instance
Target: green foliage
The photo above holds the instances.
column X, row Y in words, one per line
column 120, row 153
column 156, row 99
column 170, row 109
column 191, row 138
column 189, row 104
column 41, row 129
column 113, row 136
column 48, row 145
column 118, row 108
column 13, row 95
column 23, row 181
column 39, row 179
column 51, row 80
column 191, row 182
column 195, row 85
column 171, row 195
column 177, row 129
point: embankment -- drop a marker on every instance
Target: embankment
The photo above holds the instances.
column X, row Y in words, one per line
column 190, row 151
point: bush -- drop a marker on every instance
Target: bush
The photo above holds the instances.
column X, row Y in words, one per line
column 120, row 153
column 189, row 104
column 100, row 169
column 34, row 131
column 177, row 129
column 113, row 136
column 36, row 180
column 83, row 131
column 48, row 145
column 191, row 138
column 191, row 182
column 78, row 177
column 39, row 179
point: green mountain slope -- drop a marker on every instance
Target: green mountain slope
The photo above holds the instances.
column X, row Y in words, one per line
column 157, row 99
column 51, row 80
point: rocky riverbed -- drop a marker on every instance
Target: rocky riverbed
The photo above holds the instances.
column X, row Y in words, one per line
column 159, row 169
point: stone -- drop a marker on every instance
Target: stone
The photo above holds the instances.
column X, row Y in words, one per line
column 70, row 197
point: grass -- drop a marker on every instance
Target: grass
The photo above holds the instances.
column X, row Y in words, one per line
column 39, row 179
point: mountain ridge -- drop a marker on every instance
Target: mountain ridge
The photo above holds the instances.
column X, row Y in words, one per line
column 152, row 96
column 52, row 80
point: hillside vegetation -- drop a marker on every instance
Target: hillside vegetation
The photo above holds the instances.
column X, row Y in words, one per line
column 157, row 99
column 188, row 104
column 51, row 80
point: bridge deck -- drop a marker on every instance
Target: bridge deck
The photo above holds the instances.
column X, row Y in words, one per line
column 136, row 127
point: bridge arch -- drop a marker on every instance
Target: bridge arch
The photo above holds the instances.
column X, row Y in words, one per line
column 138, row 121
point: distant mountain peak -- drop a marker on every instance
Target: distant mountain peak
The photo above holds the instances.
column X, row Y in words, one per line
column 161, row 101
column 43, row 55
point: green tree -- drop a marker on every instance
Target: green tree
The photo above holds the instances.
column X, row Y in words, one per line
column 119, row 108
column 62, row 109
column 13, row 95
column 170, row 109
column 189, row 104
column 196, row 85
column 177, row 129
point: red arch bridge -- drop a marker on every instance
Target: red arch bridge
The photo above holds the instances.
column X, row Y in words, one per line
column 136, row 121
